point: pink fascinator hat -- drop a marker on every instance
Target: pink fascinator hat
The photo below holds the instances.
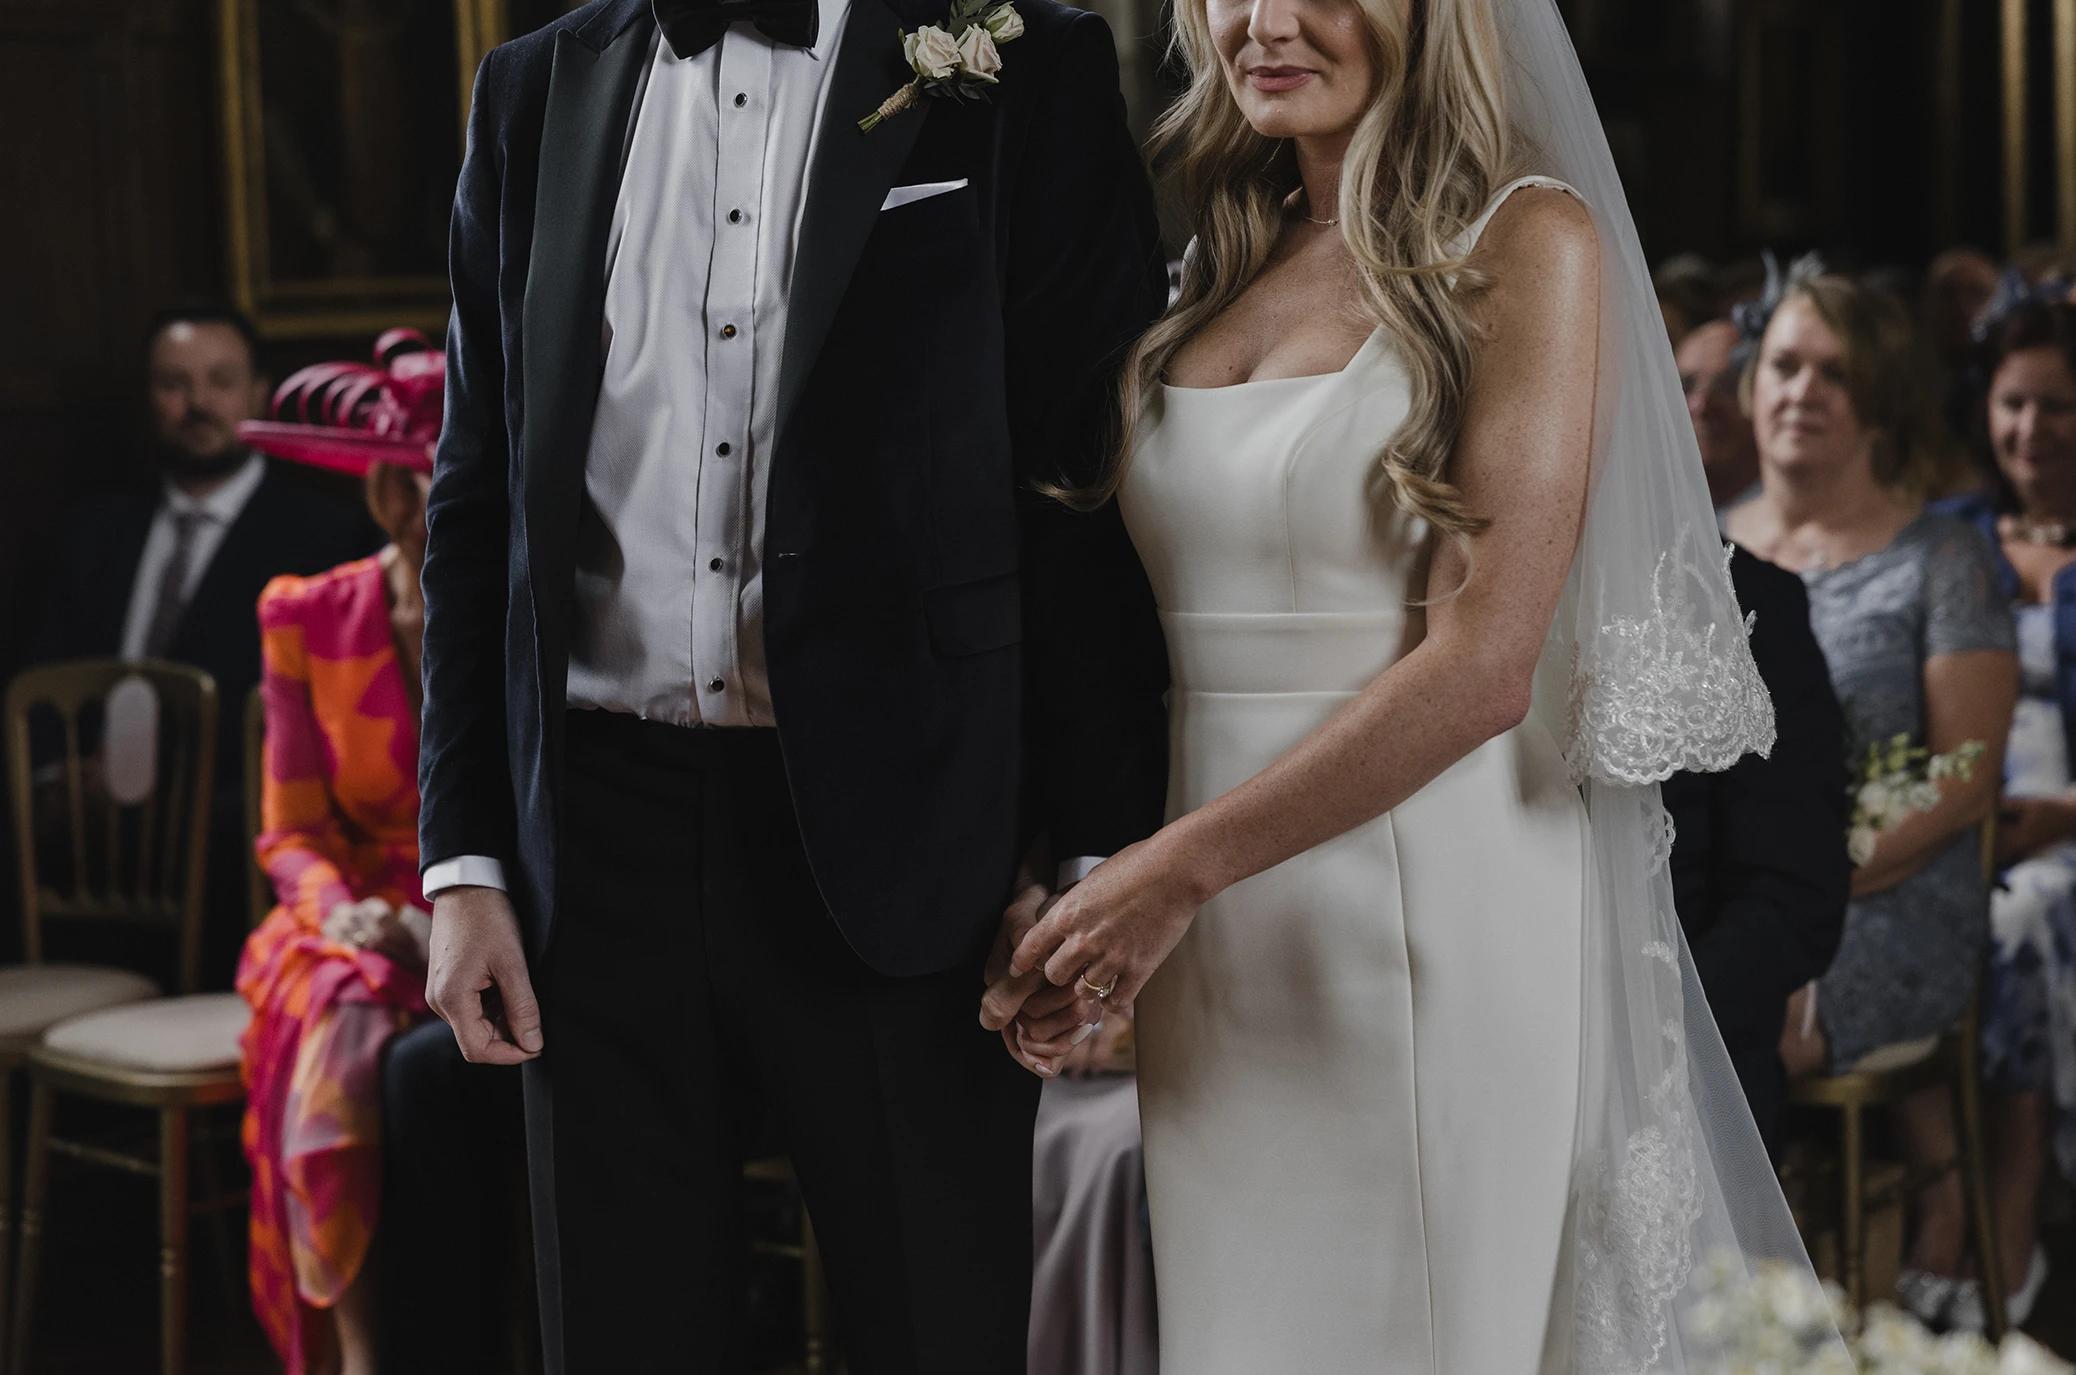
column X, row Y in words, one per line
column 347, row 416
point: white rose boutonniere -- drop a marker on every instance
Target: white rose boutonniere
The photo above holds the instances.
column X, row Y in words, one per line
column 1004, row 23
column 958, row 58
column 931, row 51
column 977, row 55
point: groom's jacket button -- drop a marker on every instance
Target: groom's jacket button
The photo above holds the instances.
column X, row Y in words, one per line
column 715, row 564
column 722, row 448
column 714, row 685
column 728, row 331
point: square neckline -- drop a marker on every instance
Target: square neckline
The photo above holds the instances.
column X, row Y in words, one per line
column 1364, row 347
column 1471, row 234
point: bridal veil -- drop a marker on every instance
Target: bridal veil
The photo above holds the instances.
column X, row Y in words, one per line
column 1647, row 664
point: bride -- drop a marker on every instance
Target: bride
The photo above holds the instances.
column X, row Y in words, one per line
column 1426, row 1079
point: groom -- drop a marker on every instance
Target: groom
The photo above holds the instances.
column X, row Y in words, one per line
column 752, row 663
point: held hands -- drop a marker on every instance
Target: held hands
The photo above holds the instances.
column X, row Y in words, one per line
column 477, row 980
column 402, row 933
column 1111, row 931
column 1039, row 1023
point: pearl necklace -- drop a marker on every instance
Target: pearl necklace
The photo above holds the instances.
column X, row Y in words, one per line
column 2051, row 534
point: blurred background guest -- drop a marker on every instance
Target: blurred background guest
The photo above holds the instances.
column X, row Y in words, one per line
column 1759, row 869
column 1686, row 288
column 171, row 569
column 338, row 968
column 1959, row 285
column 2027, row 426
column 1710, row 369
column 1906, row 606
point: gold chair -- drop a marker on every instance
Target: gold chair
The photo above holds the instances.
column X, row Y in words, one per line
column 146, row 863
column 1884, row 1078
column 36, row 995
column 816, row 1320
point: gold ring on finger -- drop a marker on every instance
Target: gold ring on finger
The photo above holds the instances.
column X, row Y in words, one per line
column 1098, row 991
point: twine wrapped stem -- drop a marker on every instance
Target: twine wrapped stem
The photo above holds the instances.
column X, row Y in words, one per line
column 892, row 105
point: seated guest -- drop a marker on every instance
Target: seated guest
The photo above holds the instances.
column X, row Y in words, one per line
column 345, row 1094
column 1759, row 868
column 338, row 968
column 1959, row 286
column 171, row 569
column 1709, row 359
column 1919, row 642
column 2028, row 426
column 1092, row 1289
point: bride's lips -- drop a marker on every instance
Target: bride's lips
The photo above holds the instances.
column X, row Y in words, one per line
column 1278, row 78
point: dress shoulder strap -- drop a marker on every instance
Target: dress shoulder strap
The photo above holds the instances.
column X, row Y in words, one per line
column 1470, row 236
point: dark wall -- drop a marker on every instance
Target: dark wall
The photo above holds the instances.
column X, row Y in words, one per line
column 112, row 199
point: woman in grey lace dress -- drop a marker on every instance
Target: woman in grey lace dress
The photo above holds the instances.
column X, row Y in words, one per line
column 1919, row 638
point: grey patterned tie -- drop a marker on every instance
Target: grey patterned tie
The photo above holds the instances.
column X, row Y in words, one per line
column 165, row 616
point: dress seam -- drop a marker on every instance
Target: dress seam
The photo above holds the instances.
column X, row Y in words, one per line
column 1413, row 1060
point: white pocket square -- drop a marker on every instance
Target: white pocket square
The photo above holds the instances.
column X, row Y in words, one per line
column 921, row 191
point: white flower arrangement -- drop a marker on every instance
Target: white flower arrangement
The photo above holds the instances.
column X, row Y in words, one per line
column 1766, row 1318
column 1893, row 781
column 959, row 59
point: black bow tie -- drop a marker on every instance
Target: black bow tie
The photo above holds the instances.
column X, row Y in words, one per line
column 693, row 26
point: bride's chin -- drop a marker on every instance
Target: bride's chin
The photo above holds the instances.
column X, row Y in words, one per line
column 1279, row 122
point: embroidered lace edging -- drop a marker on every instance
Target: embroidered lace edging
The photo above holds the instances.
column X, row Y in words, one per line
column 1665, row 693
column 1635, row 1246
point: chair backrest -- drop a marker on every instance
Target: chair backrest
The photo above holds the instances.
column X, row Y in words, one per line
column 259, row 889
column 113, row 833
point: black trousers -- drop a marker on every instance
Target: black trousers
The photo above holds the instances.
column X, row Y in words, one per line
column 453, row 1230
column 695, row 988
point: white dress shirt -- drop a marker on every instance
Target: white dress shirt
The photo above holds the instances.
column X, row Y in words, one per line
column 217, row 511
column 669, row 615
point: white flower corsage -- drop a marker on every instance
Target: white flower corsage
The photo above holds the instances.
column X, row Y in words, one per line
column 957, row 58
column 1894, row 780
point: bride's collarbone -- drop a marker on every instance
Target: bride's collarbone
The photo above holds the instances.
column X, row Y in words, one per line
column 1299, row 318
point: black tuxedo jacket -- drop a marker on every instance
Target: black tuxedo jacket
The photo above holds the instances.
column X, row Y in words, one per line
column 1759, row 868
column 955, row 664
column 284, row 528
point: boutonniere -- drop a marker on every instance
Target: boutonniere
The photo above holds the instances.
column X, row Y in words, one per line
column 957, row 58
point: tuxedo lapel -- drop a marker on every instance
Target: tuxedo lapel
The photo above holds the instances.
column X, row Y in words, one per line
column 845, row 186
column 590, row 96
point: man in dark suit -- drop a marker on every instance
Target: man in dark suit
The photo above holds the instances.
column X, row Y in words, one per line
column 753, row 665
column 1759, row 870
column 172, row 569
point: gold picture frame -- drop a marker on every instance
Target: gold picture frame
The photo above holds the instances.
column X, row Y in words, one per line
column 293, row 264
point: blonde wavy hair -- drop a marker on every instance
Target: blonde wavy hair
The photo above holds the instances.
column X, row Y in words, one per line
column 1426, row 158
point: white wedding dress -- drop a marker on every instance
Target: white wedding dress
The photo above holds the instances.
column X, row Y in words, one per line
column 1359, row 1072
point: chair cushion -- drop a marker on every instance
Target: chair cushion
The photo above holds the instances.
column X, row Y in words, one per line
column 168, row 1035
column 34, row 997
column 1901, row 1055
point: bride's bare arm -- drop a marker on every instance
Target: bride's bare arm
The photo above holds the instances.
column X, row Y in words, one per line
column 1521, row 462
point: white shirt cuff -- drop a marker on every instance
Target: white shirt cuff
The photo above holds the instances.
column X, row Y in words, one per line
column 462, row 871
column 1073, row 871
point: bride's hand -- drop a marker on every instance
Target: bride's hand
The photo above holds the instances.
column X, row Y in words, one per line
column 1115, row 927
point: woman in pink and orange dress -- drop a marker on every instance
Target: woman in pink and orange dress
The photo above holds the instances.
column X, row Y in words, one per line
column 338, row 967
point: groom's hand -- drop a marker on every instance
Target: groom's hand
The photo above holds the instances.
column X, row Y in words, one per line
column 477, row 980
column 1038, row 1020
